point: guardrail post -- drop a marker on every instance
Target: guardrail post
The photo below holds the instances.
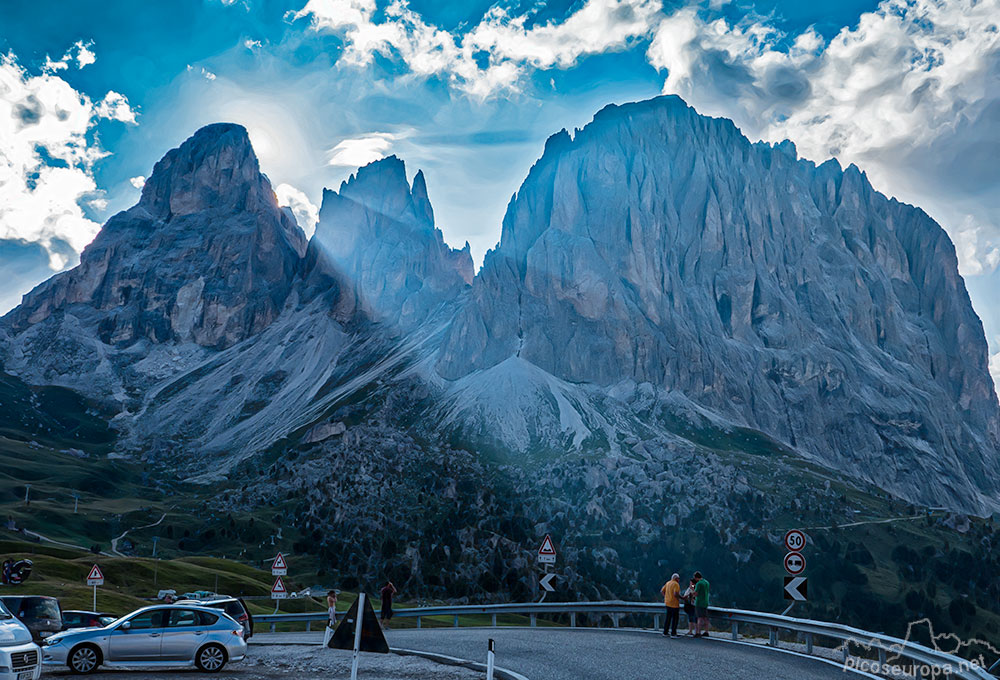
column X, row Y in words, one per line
column 809, row 643
column 494, row 620
column 656, row 621
column 614, row 617
column 736, row 630
column 309, row 626
column 772, row 638
column 881, row 656
column 572, row 619
column 272, row 627
column 534, row 620
column 456, row 620
column 847, row 650
column 418, row 621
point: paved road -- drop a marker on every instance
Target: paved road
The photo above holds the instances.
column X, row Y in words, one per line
column 548, row 654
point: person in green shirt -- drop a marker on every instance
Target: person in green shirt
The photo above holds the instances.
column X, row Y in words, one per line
column 701, row 600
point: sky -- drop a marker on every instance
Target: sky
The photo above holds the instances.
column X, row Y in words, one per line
column 92, row 93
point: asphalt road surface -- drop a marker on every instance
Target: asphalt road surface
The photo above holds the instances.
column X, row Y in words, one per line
column 550, row 654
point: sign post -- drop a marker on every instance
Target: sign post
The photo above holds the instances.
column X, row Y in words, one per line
column 95, row 578
column 357, row 635
column 489, row 659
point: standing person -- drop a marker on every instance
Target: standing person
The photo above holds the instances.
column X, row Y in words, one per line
column 671, row 599
column 331, row 608
column 688, row 599
column 701, row 600
column 388, row 590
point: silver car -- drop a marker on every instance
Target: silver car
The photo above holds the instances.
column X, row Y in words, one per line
column 163, row 635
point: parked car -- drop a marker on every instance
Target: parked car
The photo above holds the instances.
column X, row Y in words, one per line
column 234, row 606
column 77, row 618
column 40, row 613
column 19, row 656
column 161, row 635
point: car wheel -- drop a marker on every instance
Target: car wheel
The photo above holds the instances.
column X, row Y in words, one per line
column 211, row 658
column 84, row 659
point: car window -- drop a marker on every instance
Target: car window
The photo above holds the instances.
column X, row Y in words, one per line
column 234, row 609
column 39, row 608
column 153, row 619
column 207, row 619
column 71, row 619
column 183, row 617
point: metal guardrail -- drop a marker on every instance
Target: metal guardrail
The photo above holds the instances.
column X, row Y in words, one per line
column 885, row 646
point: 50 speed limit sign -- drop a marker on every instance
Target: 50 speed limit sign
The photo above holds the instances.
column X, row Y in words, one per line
column 795, row 540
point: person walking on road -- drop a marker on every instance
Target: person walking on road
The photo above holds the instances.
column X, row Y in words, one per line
column 671, row 599
column 688, row 599
column 388, row 590
column 701, row 600
column 331, row 608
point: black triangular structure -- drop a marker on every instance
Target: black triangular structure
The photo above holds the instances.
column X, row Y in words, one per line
column 372, row 639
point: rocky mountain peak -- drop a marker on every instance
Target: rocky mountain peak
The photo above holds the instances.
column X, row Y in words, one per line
column 215, row 169
column 379, row 232
column 205, row 256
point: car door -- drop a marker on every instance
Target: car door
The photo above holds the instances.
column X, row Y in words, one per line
column 183, row 635
column 138, row 638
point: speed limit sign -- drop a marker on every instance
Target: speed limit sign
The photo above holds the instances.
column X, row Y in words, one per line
column 795, row 540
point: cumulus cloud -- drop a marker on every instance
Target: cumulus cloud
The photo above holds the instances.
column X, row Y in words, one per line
column 305, row 211
column 358, row 151
column 496, row 53
column 911, row 94
column 47, row 151
column 202, row 71
column 81, row 53
column 138, row 182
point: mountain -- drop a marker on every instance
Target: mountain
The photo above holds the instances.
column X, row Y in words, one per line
column 658, row 257
column 666, row 297
column 379, row 232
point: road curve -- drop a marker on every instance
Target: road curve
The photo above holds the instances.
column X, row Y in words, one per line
column 594, row 654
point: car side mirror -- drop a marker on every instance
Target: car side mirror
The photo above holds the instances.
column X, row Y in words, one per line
column 126, row 625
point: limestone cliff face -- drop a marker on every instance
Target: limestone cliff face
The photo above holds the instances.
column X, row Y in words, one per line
column 206, row 255
column 379, row 232
column 659, row 247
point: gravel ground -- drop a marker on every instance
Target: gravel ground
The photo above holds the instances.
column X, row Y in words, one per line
column 302, row 663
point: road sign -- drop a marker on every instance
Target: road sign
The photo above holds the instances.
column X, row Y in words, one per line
column 795, row 540
column 95, row 577
column 547, row 553
column 546, row 583
column 278, row 590
column 795, row 563
column 795, row 588
column 279, row 567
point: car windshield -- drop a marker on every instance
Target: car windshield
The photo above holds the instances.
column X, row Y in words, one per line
column 39, row 608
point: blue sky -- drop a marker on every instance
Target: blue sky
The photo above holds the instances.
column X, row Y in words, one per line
column 468, row 91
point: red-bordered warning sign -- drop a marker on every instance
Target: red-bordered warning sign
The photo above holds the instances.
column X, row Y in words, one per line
column 278, row 590
column 547, row 553
column 795, row 541
column 95, row 577
column 279, row 567
column 795, row 563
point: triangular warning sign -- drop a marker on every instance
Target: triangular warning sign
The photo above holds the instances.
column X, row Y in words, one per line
column 95, row 574
column 279, row 562
column 547, row 547
column 279, row 586
column 372, row 638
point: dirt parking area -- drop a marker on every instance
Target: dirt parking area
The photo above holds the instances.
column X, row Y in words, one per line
column 297, row 661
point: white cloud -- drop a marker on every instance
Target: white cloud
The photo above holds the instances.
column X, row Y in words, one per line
column 995, row 370
column 138, row 182
column 251, row 44
column 201, row 70
column 46, row 156
column 305, row 211
column 358, row 151
column 496, row 53
column 84, row 55
column 910, row 94
column 80, row 52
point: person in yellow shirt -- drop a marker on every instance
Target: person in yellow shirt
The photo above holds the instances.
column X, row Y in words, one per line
column 671, row 598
